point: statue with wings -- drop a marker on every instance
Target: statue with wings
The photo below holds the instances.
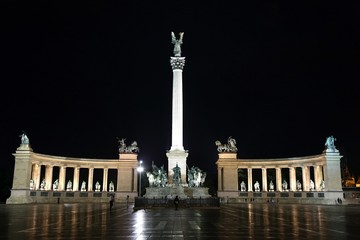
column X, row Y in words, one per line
column 177, row 43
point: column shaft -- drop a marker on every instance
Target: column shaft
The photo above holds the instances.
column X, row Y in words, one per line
column 62, row 175
column 264, row 179
column 292, row 179
column 48, row 177
column 250, row 181
column 90, row 179
column 105, row 179
column 278, row 180
column 76, row 179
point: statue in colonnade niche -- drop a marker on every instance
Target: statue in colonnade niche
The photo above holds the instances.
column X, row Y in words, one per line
column 271, row 186
column 229, row 147
column 83, row 186
column 242, row 186
column 257, row 186
column 43, row 184
column 322, row 185
column 284, row 185
column 298, row 185
column 312, row 185
column 97, row 186
column 111, row 187
column 56, row 185
column 32, row 184
column 69, row 186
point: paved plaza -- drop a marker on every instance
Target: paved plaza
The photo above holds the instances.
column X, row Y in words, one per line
column 231, row 221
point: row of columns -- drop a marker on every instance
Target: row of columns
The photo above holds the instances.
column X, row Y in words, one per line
column 318, row 177
column 36, row 171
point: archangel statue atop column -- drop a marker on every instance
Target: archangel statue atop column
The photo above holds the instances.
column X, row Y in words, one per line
column 177, row 43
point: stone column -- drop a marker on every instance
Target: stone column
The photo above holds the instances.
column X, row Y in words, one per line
column 250, row 181
column 62, row 175
column 48, row 177
column 318, row 177
column 264, row 180
column 105, row 180
column 292, row 173
column 278, row 180
column 76, row 179
column 90, row 179
column 118, row 184
column 306, row 178
column 35, row 175
column 177, row 155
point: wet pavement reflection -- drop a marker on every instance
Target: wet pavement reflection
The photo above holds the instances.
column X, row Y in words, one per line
column 239, row 221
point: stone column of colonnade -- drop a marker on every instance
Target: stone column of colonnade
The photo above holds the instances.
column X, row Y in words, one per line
column 292, row 175
column 90, row 179
column 48, row 177
column 318, row 175
column 264, row 179
column 62, row 175
column 306, row 178
column 278, row 179
column 35, row 175
column 250, row 181
column 76, row 179
column 105, row 180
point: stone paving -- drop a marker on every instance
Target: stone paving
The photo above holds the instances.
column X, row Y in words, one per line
column 231, row 221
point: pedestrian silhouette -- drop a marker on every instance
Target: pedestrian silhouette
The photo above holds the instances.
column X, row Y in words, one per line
column 176, row 202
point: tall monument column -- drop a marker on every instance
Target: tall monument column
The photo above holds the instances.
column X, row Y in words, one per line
column 177, row 155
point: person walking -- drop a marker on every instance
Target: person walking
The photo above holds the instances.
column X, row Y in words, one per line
column 112, row 200
column 176, row 202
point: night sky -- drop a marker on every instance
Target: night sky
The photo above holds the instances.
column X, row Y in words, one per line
column 278, row 77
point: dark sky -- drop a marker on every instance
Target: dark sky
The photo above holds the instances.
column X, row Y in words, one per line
column 278, row 77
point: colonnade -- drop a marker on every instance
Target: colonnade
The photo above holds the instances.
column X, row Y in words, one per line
column 49, row 178
column 304, row 180
column 322, row 170
column 31, row 169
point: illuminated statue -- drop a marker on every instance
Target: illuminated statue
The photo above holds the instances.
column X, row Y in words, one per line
column 83, row 186
column 111, row 187
column 271, row 186
column 69, row 186
column 24, row 138
column 330, row 144
column 298, row 185
column 56, row 185
column 97, row 187
column 177, row 175
column 127, row 149
column 243, row 186
column 229, row 147
column 312, row 185
column 284, row 186
column 257, row 186
column 43, row 184
column 177, row 43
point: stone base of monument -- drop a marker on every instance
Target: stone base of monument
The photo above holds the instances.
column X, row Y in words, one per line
column 170, row 192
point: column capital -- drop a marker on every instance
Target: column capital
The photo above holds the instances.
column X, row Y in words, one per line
column 177, row 62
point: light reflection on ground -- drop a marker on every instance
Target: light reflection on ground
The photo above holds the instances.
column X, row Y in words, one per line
column 96, row 221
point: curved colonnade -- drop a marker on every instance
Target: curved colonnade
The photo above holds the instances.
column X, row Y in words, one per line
column 31, row 169
column 323, row 170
